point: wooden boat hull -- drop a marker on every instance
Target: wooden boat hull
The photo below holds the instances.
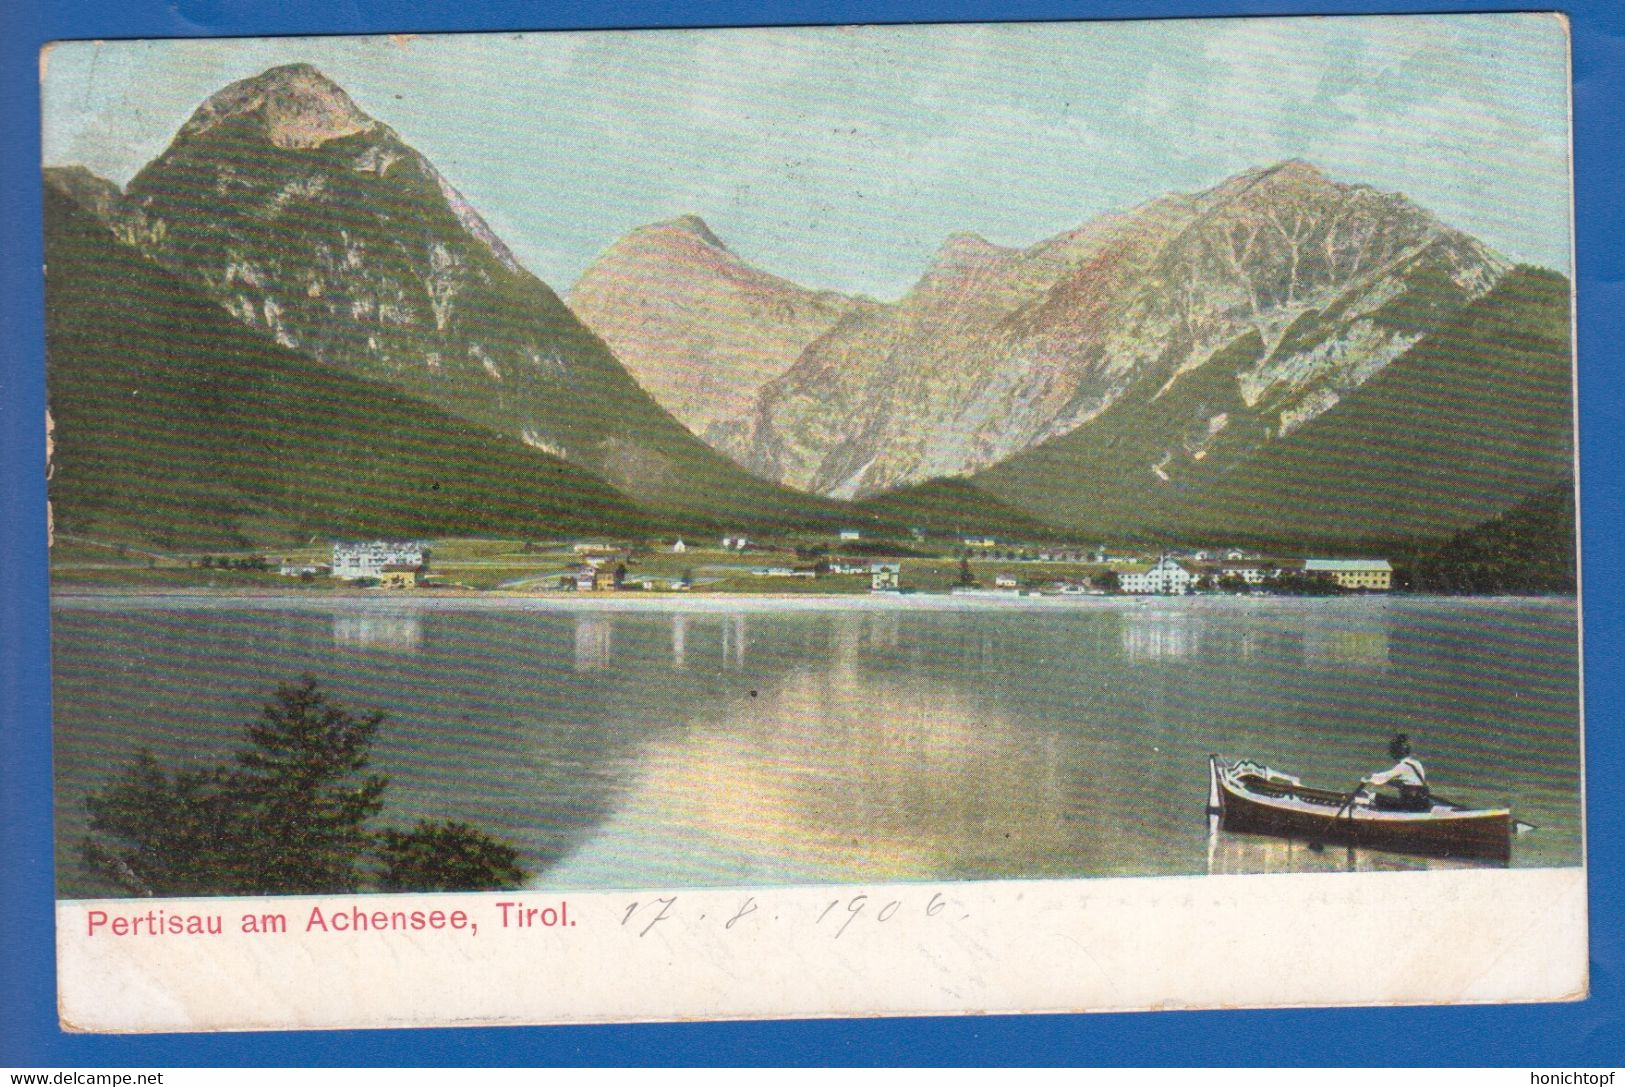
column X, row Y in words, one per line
column 1248, row 803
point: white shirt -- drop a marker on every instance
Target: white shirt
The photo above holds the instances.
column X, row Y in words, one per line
column 1406, row 772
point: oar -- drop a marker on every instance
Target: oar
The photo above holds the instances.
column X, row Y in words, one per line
column 1348, row 806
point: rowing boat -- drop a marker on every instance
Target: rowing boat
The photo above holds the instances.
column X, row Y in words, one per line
column 1249, row 797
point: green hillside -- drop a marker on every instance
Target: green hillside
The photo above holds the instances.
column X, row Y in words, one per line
column 1471, row 419
column 176, row 425
column 1098, row 477
column 949, row 507
column 1528, row 549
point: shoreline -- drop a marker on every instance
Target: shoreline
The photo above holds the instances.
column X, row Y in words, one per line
column 719, row 603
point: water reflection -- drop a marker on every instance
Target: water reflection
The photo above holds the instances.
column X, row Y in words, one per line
column 396, row 633
column 842, row 776
column 856, row 635
column 1159, row 637
column 623, row 750
column 679, row 641
column 593, row 639
column 1347, row 648
column 1232, row 854
column 733, row 640
column 882, row 629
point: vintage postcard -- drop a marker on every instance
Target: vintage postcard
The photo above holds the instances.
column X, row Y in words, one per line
column 573, row 527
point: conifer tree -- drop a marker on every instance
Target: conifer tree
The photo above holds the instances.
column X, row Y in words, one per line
column 157, row 834
column 304, row 780
column 289, row 818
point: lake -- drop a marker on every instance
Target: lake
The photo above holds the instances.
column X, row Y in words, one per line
column 715, row 742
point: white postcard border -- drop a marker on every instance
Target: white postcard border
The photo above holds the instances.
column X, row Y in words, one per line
column 1290, row 940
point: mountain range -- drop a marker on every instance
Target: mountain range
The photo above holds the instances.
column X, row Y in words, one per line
column 698, row 327
column 175, row 424
column 1471, row 418
column 1153, row 371
column 316, row 226
column 1279, row 354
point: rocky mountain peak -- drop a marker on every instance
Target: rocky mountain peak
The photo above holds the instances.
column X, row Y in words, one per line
column 659, row 249
column 963, row 258
column 966, row 247
column 90, row 191
column 1234, row 316
column 1296, row 176
column 699, row 327
column 295, row 105
column 324, row 231
column 1297, row 170
column 692, row 226
column 74, row 175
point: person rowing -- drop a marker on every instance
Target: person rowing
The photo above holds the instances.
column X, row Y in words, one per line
column 1406, row 775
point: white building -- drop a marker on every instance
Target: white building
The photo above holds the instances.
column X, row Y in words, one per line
column 1371, row 574
column 734, row 543
column 885, row 577
column 1067, row 555
column 1252, row 572
column 658, row 583
column 1168, row 577
column 1007, row 581
column 1106, row 558
column 851, row 534
column 679, row 547
column 358, row 559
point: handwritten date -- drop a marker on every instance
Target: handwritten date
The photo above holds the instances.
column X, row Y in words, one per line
column 642, row 917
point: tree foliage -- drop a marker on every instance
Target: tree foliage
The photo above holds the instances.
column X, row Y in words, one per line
column 1304, row 583
column 446, row 856
column 1528, row 549
column 163, row 834
column 290, row 817
column 304, row 778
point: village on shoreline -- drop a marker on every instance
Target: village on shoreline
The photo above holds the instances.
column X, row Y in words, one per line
column 847, row 563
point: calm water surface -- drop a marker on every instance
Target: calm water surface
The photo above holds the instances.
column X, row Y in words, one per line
column 635, row 747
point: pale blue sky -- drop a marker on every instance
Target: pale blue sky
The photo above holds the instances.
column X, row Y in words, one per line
column 842, row 157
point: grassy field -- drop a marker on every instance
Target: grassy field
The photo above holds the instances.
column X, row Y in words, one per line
column 780, row 586
column 180, row 577
column 520, row 566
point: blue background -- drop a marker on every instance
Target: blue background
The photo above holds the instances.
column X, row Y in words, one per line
column 1584, row 1034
